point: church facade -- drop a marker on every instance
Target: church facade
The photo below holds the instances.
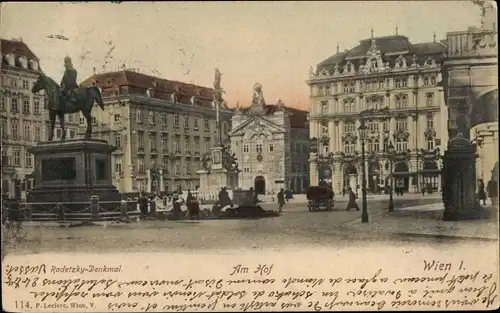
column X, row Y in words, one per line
column 271, row 143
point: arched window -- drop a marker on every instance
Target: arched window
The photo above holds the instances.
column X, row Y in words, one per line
column 430, row 121
column 373, row 65
column 349, row 127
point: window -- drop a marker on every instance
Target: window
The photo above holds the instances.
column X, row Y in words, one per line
column 433, row 80
column 374, row 103
column 176, row 120
column 324, row 128
column 139, row 116
column 401, row 145
column 373, row 65
column 152, row 120
column 36, row 106
column 140, row 140
column 246, row 170
column 429, row 99
column 26, row 106
column 28, row 160
column 164, row 143
column 401, row 83
column 165, row 165
column 3, row 103
column 373, row 146
column 13, row 106
column 94, row 120
column 430, row 121
column 152, row 141
column 37, row 133
column 177, row 144
column 195, row 123
column 430, row 144
column 349, row 106
column 187, row 144
column 82, row 121
column 186, row 121
column 324, row 107
column 72, row 134
column 402, row 101
column 349, row 127
column 245, row 149
column 17, row 157
column 27, row 132
column 427, row 81
column 117, row 117
column 26, row 84
column 401, row 124
column 118, row 141
column 15, row 129
column 386, row 144
column 271, row 168
column 164, row 119
column 5, row 157
column 207, row 144
column 206, row 125
column 118, row 166
column 196, row 144
column 349, row 146
column 372, row 125
column 386, row 125
column 141, row 166
column 271, row 147
column 258, row 147
column 349, row 87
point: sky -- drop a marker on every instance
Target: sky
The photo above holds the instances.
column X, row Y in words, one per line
column 273, row 43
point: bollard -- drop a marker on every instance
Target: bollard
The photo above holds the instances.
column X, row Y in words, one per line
column 94, row 208
column 60, row 212
column 124, row 208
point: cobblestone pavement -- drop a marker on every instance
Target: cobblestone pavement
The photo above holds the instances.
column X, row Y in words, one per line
column 426, row 220
column 296, row 227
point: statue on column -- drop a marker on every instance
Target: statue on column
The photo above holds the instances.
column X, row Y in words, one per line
column 258, row 95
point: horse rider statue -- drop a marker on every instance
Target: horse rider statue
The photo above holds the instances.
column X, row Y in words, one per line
column 68, row 83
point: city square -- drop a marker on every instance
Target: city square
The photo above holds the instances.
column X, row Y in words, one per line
column 390, row 141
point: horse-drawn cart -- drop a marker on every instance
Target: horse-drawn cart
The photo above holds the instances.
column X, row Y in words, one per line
column 320, row 198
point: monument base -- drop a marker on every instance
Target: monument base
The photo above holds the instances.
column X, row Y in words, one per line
column 72, row 171
column 212, row 181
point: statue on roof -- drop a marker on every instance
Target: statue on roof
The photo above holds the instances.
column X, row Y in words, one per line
column 258, row 95
column 217, row 79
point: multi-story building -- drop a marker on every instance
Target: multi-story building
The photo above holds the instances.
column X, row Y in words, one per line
column 392, row 85
column 161, row 129
column 24, row 118
column 271, row 143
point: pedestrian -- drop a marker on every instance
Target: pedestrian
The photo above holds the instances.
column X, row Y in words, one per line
column 281, row 200
column 143, row 204
column 352, row 200
column 492, row 188
column 481, row 191
column 343, row 192
column 423, row 191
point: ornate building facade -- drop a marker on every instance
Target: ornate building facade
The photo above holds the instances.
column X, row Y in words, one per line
column 392, row 85
column 161, row 129
column 270, row 142
column 24, row 118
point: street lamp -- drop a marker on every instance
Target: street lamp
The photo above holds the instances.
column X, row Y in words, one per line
column 391, row 151
column 362, row 135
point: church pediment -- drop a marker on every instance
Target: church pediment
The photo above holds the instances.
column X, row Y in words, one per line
column 256, row 125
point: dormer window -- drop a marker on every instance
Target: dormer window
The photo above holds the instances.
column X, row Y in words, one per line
column 374, row 65
column 23, row 62
column 10, row 59
column 400, row 62
column 33, row 65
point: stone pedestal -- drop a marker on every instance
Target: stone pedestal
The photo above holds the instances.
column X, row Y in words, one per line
column 211, row 182
column 72, row 171
column 459, row 181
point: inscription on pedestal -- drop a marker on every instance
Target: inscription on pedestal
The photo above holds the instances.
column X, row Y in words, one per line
column 59, row 169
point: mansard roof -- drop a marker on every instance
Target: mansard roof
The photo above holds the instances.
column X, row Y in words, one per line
column 139, row 83
column 390, row 47
column 18, row 49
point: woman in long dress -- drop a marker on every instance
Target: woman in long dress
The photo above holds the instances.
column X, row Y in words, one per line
column 352, row 200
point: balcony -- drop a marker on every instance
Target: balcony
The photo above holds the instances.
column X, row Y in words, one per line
column 472, row 43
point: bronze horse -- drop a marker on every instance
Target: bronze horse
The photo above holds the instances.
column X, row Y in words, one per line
column 84, row 102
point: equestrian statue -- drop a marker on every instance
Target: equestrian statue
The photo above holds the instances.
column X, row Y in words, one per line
column 68, row 98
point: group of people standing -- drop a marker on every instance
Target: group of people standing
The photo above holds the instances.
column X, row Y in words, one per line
column 488, row 191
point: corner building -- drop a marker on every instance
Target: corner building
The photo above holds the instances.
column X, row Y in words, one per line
column 393, row 85
column 24, row 118
column 161, row 129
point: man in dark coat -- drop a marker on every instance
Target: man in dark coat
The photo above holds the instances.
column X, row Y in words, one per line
column 492, row 188
column 352, row 200
column 143, row 204
column 68, row 83
column 281, row 200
